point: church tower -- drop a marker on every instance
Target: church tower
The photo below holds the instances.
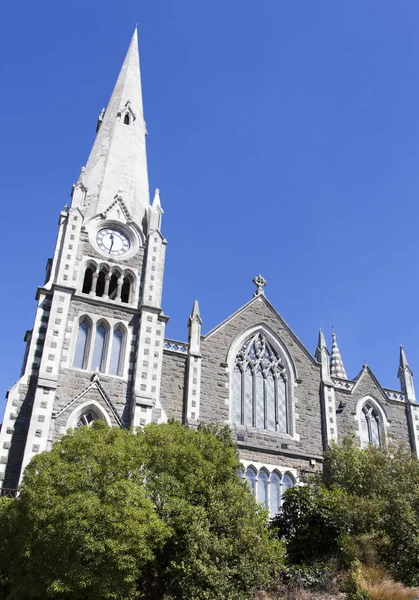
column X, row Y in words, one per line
column 96, row 348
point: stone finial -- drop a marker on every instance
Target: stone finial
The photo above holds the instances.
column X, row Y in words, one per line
column 403, row 364
column 195, row 314
column 260, row 283
column 156, row 201
column 336, row 363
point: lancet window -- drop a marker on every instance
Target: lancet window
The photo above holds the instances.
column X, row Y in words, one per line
column 268, row 488
column 81, row 345
column 260, row 387
column 370, row 425
column 106, row 343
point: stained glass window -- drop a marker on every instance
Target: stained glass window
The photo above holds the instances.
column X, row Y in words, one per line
column 370, row 430
column 98, row 354
column 116, row 351
column 259, row 387
column 81, row 346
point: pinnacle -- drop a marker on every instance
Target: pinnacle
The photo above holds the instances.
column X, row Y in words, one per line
column 336, row 363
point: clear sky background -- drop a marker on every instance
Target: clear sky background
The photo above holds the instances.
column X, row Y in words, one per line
column 284, row 137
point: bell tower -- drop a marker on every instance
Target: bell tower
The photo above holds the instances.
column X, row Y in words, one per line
column 96, row 348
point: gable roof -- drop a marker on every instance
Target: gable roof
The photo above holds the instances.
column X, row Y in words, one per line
column 263, row 298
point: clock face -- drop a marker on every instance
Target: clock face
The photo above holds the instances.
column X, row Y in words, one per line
column 112, row 241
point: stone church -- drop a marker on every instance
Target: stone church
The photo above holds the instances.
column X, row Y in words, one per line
column 98, row 349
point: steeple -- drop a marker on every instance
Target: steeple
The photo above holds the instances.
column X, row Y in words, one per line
column 406, row 376
column 336, row 363
column 117, row 163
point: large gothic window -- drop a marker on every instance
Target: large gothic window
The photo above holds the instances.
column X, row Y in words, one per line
column 259, row 387
column 370, row 425
column 81, row 346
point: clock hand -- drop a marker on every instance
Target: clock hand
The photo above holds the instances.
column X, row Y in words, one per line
column 111, row 238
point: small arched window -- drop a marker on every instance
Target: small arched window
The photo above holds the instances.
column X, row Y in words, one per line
column 287, row 482
column 370, row 425
column 80, row 354
column 88, row 279
column 126, row 290
column 98, row 358
column 259, row 387
column 263, row 488
column 251, row 479
column 126, row 119
column 100, row 285
column 87, row 418
column 115, row 366
column 275, row 488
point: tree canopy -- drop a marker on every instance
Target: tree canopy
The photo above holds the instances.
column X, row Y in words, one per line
column 117, row 514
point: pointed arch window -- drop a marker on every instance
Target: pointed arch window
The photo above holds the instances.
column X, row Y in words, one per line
column 87, row 418
column 80, row 354
column 126, row 119
column 370, row 426
column 250, row 476
column 115, row 364
column 98, row 358
column 259, row 387
column 263, row 488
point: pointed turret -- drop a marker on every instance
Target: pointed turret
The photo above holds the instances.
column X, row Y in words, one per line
column 194, row 324
column 323, row 356
column 155, row 212
column 336, row 363
column 118, row 162
column 406, row 377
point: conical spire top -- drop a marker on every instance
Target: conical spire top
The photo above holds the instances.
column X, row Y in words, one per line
column 118, row 162
column 156, row 201
column 336, row 363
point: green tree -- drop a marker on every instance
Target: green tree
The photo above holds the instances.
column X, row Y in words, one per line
column 116, row 514
column 366, row 501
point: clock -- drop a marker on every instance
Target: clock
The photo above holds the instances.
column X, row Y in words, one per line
column 112, row 241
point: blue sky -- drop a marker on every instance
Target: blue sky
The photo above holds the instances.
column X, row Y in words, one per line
column 284, row 137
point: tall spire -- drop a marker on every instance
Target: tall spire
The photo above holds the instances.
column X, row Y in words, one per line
column 117, row 163
column 336, row 363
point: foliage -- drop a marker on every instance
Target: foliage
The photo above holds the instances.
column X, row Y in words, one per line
column 116, row 514
column 311, row 521
column 364, row 507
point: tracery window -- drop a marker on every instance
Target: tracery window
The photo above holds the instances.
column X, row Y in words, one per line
column 81, row 346
column 268, row 488
column 259, row 386
column 370, row 425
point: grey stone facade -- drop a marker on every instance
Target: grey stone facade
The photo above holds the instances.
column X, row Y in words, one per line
column 104, row 291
